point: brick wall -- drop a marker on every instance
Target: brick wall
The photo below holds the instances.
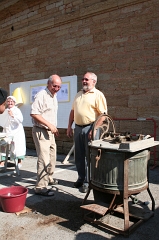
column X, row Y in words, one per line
column 118, row 40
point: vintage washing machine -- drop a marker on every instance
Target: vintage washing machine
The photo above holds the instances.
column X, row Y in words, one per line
column 118, row 172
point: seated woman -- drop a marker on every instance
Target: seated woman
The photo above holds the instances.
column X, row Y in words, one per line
column 13, row 126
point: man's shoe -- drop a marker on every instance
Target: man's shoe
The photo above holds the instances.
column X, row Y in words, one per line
column 48, row 193
column 54, row 182
column 78, row 184
column 85, row 187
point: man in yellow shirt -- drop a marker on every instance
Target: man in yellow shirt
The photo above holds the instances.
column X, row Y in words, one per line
column 88, row 104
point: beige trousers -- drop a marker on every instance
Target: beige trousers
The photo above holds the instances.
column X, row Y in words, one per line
column 46, row 150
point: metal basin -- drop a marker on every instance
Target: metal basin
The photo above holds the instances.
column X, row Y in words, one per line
column 109, row 172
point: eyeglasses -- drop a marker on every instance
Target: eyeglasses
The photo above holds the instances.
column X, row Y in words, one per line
column 55, row 86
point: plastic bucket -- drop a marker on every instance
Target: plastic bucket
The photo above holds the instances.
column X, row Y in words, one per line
column 12, row 199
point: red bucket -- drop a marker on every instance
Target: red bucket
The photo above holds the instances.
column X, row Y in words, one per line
column 12, row 199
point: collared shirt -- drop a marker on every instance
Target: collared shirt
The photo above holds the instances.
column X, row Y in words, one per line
column 88, row 106
column 46, row 105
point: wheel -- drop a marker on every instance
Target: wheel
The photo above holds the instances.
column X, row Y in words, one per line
column 102, row 127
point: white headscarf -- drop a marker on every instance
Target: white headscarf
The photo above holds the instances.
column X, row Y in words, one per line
column 13, row 98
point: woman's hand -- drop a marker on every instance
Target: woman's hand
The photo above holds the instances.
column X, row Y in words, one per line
column 10, row 113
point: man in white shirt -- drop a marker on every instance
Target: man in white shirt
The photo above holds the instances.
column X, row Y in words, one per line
column 44, row 114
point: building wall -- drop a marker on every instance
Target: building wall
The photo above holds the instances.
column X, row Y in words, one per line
column 116, row 39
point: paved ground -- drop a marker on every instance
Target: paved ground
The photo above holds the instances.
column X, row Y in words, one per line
column 60, row 217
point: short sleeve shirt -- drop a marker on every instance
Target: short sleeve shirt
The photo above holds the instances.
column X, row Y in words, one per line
column 46, row 105
column 88, row 106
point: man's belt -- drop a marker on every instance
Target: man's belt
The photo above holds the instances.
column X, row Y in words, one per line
column 47, row 129
column 82, row 126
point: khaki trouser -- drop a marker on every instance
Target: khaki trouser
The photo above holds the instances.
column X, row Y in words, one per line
column 46, row 150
